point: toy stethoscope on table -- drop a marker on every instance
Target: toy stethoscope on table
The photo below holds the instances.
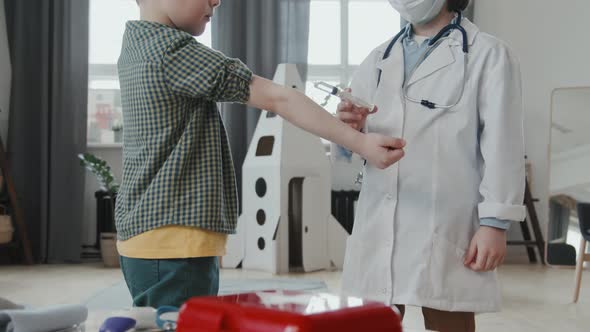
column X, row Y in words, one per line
column 142, row 319
column 166, row 324
column 432, row 44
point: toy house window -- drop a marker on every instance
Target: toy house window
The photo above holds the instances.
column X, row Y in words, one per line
column 265, row 146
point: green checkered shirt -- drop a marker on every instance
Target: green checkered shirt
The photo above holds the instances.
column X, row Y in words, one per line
column 177, row 166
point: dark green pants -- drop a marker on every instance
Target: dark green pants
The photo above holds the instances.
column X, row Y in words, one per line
column 158, row 282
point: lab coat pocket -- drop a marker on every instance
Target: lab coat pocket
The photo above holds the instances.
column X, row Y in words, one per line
column 455, row 284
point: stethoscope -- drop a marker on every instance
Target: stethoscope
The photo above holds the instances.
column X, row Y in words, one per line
column 166, row 324
column 442, row 35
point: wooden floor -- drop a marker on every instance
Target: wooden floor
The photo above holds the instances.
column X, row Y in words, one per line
column 536, row 298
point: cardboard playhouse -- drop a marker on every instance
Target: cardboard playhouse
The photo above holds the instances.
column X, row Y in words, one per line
column 286, row 222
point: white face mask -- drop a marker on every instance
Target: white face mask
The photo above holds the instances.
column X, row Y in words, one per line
column 418, row 11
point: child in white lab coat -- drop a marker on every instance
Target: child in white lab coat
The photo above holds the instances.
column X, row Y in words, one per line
column 431, row 230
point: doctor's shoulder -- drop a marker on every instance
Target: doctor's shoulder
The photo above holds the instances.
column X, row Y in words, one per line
column 495, row 48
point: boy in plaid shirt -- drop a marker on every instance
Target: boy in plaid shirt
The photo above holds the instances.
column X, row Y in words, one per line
column 178, row 200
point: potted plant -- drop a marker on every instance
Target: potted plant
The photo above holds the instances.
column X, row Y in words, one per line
column 105, row 207
column 117, row 129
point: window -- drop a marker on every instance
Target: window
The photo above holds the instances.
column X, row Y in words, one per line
column 341, row 34
column 107, row 24
column 265, row 146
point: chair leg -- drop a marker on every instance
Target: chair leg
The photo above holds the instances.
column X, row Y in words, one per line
column 579, row 268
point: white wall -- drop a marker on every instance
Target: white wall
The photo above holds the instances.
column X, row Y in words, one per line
column 551, row 39
column 5, row 75
column 113, row 155
column 570, row 143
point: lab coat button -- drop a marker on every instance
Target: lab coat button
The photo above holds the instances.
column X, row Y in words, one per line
column 389, row 196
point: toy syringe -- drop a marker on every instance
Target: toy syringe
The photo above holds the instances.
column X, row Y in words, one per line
column 344, row 95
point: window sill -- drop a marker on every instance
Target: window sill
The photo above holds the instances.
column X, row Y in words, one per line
column 105, row 145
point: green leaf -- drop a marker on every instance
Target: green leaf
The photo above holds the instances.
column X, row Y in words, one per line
column 101, row 170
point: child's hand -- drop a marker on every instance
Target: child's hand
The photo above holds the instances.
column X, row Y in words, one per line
column 352, row 115
column 382, row 151
column 487, row 249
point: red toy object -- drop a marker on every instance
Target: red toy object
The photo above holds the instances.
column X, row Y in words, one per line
column 282, row 311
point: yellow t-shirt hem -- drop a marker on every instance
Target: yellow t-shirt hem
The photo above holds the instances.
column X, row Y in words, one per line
column 174, row 242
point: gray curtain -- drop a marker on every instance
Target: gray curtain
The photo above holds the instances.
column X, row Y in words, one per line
column 49, row 53
column 263, row 34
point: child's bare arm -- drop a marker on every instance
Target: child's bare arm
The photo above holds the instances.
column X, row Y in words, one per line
column 295, row 107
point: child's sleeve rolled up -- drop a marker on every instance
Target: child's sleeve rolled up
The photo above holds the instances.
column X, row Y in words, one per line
column 193, row 70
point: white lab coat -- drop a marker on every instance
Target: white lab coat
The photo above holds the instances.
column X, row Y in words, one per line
column 415, row 219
